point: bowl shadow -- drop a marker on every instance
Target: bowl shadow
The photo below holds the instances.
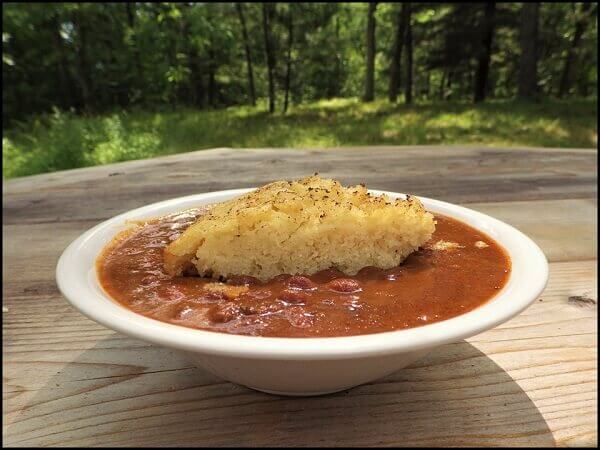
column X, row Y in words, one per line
column 455, row 396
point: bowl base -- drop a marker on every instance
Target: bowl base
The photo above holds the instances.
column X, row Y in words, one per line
column 298, row 394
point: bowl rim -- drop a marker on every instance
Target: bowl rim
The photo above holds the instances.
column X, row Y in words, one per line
column 77, row 281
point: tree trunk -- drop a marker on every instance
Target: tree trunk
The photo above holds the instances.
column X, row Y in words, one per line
column 408, row 88
column 338, row 59
column 63, row 74
column 251, row 89
column 569, row 67
column 82, row 63
column 583, row 84
column 528, row 36
column 196, row 80
column 442, row 84
column 185, row 92
column 370, row 74
column 212, row 85
column 485, row 54
column 130, row 14
column 288, row 70
column 130, row 7
column 395, row 72
column 468, row 74
column 266, row 15
column 196, row 83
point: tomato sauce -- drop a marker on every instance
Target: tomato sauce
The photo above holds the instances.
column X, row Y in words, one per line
column 459, row 269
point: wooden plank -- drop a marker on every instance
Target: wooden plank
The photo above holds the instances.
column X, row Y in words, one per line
column 531, row 381
column 564, row 229
column 407, row 152
column 460, row 175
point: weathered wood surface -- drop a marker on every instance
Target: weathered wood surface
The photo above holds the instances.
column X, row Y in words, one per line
column 531, row 381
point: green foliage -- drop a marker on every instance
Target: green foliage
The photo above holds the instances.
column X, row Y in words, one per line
column 120, row 145
column 93, row 83
column 95, row 57
column 64, row 140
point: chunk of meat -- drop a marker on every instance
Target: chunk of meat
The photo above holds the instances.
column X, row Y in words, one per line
column 230, row 292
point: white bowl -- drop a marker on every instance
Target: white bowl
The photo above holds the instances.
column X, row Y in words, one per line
column 300, row 366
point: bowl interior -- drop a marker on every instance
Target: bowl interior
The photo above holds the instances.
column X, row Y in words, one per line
column 77, row 280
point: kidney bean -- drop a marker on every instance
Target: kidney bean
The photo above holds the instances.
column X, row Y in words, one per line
column 226, row 313
column 292, row 296
column 301, row 283
column 344, row 285
column 257, row 294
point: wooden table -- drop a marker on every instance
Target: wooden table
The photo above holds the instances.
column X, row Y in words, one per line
column 531, row 381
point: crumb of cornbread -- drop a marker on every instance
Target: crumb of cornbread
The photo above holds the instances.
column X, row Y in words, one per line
column 445, row 245
column 301, row 227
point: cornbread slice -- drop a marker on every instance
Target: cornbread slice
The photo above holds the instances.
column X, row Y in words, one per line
column 301, row 227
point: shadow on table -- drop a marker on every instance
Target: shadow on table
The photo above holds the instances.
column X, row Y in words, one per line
column 455, row 396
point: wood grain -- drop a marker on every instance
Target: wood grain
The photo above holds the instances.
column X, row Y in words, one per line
column 455, row 175
column 532, row 381
column 72, row 382
column 564, row 229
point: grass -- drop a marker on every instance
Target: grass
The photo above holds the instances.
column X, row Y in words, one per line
column 64, row 141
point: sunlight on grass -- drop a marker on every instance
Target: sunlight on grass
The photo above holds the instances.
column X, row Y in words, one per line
column 64, row 141
column 553, row 128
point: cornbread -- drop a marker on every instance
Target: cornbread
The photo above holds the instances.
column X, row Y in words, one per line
column 301, row 227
